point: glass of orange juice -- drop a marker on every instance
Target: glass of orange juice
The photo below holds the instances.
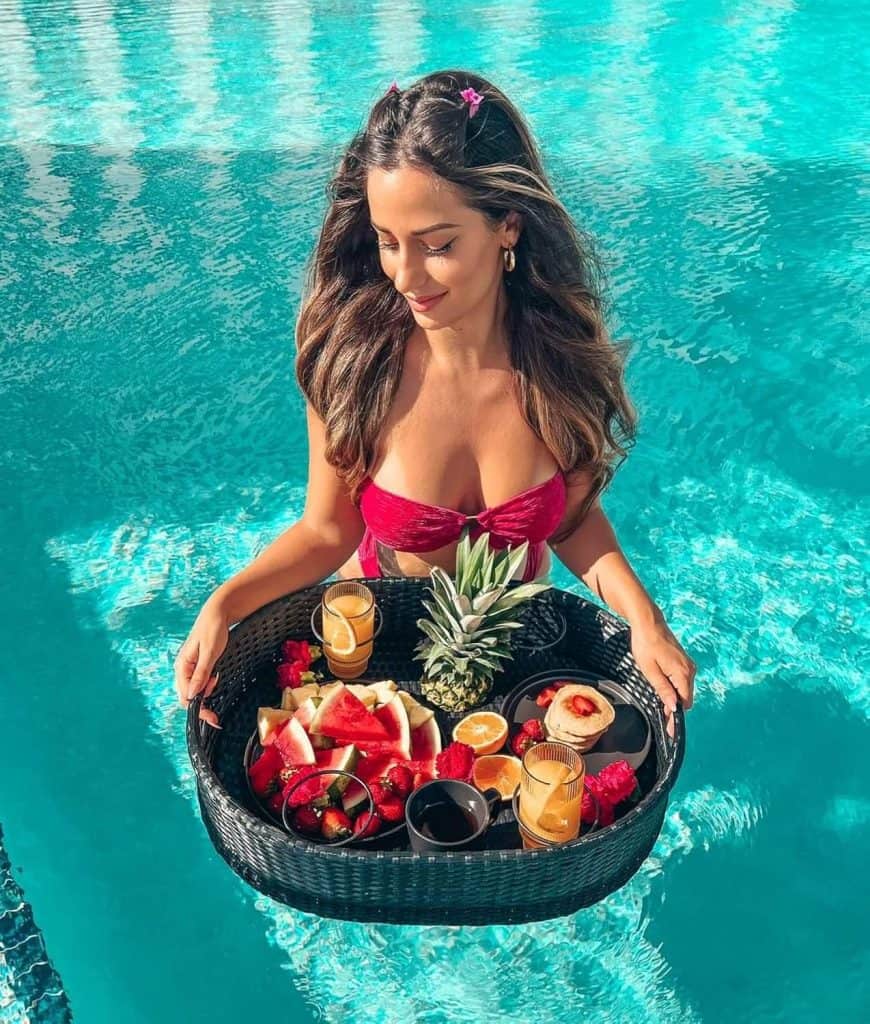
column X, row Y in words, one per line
column 348, row 628
column 551, row 794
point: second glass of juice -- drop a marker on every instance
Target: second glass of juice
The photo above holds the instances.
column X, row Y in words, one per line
column 348, row 628
column 551, row 793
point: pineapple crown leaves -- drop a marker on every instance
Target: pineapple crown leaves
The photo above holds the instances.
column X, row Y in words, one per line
column 471, row 619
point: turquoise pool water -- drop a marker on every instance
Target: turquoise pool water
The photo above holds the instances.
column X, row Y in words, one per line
column 162, row 169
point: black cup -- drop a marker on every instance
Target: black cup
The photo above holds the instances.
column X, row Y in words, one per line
column 446, row 814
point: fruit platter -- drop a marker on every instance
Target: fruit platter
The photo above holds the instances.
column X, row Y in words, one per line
column 304, row 786
column 376, row 733
column 383, row 744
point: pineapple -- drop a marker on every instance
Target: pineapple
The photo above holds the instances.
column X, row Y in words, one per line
column 468, row 632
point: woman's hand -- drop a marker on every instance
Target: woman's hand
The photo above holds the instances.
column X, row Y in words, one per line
column 197, row 656
column 664, row 662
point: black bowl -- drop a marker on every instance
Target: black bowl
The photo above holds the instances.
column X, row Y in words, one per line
column 628, row 739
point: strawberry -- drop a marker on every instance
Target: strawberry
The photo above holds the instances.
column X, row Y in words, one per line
column 380, row 791
column 335, row 824
column 306, row 820
column 400, row 779
column 582, row 706
column 276, row 803
column 290, row 674
column 420, row 777
column 297, row 651
column 521, row 742
column 305, row 792
column 391, row 809
column 545, row 697
column 367, row 824
column 532, row 727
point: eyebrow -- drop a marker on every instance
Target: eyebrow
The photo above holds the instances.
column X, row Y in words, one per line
column 422, row 231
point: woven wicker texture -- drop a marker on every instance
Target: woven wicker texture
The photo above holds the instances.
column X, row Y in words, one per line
column 493, row 886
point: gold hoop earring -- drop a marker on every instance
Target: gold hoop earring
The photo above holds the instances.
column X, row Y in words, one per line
column 510, row 260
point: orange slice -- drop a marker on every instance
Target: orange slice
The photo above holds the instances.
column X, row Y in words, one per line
column 499, row 771
column 483, row 731
column 343, row 639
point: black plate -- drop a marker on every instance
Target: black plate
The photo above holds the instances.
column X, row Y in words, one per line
column 629, row 738
column 253, row 751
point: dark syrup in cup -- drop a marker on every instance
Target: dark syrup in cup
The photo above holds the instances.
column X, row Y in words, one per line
column 447, row 822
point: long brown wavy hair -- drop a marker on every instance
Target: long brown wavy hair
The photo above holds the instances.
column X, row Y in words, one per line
column 354, row 324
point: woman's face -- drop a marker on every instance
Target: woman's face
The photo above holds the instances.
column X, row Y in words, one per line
column 432, row 244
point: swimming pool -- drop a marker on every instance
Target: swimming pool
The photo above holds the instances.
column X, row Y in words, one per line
column 162, row 167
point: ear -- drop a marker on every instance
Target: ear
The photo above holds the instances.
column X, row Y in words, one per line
column 511, row 229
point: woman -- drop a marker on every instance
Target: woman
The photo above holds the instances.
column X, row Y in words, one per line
column 456, row 367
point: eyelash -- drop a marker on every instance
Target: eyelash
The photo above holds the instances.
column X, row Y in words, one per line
column 429, row 252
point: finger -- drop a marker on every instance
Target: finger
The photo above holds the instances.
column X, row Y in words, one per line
column 681, row 674
column 210, row 686
column 185, row 663
column 200, row 677
column 661, row 684
column 209, row 716
column 670, row 724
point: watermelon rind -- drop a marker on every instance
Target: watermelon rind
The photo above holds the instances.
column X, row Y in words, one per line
column 291, row 699
column 384, row 690
column 365, row 693
column 329, row 696
column 340, row 757
column 417, row 714
column 269, row 721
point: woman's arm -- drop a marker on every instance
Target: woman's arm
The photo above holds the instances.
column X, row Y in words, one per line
column 593, row 554
column 313, row 548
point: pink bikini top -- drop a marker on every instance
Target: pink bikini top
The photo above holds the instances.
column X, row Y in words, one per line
column 407, row 525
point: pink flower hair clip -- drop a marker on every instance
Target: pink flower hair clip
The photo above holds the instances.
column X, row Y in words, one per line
column 393, row 88
column 473, row 99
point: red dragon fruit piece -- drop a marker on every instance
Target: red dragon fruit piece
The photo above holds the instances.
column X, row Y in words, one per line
column 455, row 761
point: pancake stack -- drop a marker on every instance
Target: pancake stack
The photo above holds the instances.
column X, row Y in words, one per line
column 578, row 716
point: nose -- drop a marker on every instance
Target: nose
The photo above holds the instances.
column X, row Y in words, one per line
column 409, row 277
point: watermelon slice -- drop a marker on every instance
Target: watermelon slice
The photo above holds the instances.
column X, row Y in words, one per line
column 293, row 744
column 291, row 699
column 264, row 770
column 394, row 718
column 425, row 747
column 426, row 741
column 365, row 694
column 383, row 690
column 269, row 721
column 340, row 757
column 417, row 714
column 354, row 797
column 304, row 713
column 369, row 767
column 344, row 717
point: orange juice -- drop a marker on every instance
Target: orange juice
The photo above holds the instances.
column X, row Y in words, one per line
column 348, row 624
column 551, row 792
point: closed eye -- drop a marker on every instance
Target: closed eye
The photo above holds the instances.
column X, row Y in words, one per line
column 429, row 252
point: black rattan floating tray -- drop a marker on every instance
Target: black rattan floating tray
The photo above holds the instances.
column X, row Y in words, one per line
column 500, row 885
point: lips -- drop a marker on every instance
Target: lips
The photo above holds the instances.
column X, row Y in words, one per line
column 425, row 301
